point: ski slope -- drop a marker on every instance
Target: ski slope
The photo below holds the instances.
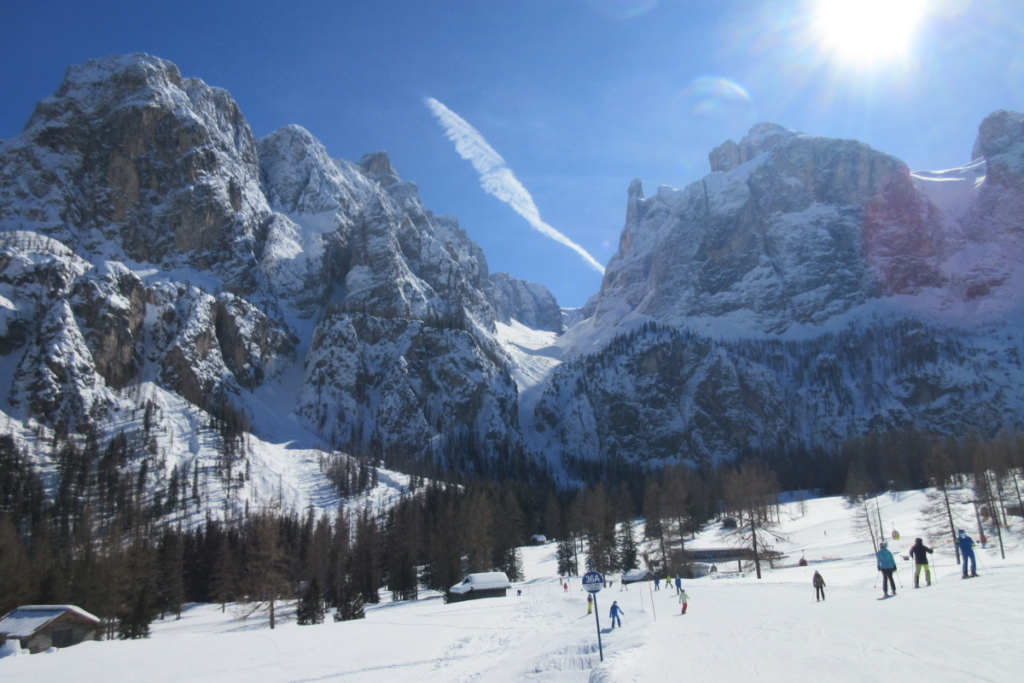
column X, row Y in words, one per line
column 736, row 627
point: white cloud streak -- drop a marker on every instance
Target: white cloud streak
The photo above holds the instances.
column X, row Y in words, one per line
column 496, row 177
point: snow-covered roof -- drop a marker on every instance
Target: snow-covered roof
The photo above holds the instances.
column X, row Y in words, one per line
column 26, row 620
column 636, row 575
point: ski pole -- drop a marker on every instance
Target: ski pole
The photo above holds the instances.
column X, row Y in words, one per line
column 983, row 567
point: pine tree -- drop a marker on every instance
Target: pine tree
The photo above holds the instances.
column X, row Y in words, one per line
column 310, row 609
column 264, row 563
column 628, row 552
column 135, row 623
column 567, row 557
column 15, row 569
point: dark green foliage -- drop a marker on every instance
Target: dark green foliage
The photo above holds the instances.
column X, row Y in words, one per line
column 310, row 609
column 135, row 622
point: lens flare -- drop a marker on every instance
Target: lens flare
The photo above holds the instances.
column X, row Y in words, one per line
column 711, row 95
column 865, row 32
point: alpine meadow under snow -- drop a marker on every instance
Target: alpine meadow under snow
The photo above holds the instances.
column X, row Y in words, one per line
column 736, row 627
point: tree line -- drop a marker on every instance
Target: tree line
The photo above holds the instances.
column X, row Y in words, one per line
column 129, row 564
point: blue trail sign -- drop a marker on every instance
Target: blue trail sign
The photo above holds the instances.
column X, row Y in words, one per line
column 592, row 583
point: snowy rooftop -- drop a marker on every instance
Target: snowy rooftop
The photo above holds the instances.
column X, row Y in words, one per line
column 26, row 620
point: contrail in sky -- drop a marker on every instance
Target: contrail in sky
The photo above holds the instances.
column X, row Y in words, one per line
column 496, row 177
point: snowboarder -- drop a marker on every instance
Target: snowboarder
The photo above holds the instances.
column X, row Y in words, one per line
column 819, row 587
column 966, row 544
column 616, row 614
column 886, row 565
column 590, row 603
column 684, row 599
column 920, row 552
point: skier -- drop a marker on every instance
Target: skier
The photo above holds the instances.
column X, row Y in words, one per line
column 684, row 599
column 886, row 565
column 616, row 614
column 590, row 603
column 819, row 587
column 966, row 544
column 679, row 584
column 920, row 552
column 565, row 587
column 657, row 583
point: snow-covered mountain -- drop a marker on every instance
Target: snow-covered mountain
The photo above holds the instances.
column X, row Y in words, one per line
column 210, row 296
column 805, row 292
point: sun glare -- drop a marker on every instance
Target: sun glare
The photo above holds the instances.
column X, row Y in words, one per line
column 865, row 32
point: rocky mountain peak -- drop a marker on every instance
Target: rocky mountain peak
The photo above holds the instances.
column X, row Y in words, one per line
column 760, row 139
column 377, row 166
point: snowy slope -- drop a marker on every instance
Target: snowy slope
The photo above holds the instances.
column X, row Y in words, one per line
column 736, row 628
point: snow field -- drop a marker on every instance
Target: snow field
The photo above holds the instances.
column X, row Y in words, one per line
column 736, row 627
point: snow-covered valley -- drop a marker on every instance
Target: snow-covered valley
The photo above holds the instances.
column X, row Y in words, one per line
column 736, row 627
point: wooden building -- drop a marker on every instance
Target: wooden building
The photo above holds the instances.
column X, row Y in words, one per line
column 40, row 627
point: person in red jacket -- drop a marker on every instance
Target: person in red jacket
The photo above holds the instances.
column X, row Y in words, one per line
column 921, row 552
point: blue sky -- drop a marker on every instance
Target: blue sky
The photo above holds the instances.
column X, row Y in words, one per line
column 578, row 97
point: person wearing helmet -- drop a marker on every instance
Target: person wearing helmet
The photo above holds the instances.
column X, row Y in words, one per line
column 966, row 544
column 886, row 565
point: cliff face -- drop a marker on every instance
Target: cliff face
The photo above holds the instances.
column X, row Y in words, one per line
column 807, row 291
column 792, row 229
column 148, row 240
column 158, row 261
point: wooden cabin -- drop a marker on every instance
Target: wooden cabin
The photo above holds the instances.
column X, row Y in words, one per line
column 40, row 627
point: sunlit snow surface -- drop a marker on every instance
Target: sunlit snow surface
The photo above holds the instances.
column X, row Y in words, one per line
column 736, row 628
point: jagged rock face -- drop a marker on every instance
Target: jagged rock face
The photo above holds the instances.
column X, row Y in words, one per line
column 797, row 230
column 528, row 302
column 248, row 251
column 657, row 396
column 375, row 385
column 762, row 138
column 147, row 239
column 128, row 154
column 792, row 230
column 995, row 218
column 111, row 306
column 663, row 395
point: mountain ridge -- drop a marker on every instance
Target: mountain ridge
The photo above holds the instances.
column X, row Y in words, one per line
column 156, row 257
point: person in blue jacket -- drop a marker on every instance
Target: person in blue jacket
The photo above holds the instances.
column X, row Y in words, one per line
column 886, row 565
column 616, row 614
column 966, row 544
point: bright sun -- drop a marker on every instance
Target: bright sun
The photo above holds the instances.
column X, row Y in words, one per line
column 864, row 32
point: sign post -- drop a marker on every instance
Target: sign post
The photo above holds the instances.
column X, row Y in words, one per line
column 592, row 583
